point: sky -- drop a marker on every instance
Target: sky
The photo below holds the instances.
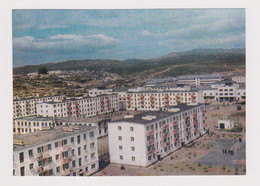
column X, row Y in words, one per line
column 43, row 36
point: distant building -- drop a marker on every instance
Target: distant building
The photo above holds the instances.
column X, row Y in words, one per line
column 156, row 100
column 241, row 79
column 62, row 151
column 198, row 79
column 143, row 139
column 83, row 107
column 27, row 107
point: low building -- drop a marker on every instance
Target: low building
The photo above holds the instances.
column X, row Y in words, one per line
column 241, row 79
column 225, row 124
column 143, row 139
column 198, row 79
column 60, row 151
column 32, row 124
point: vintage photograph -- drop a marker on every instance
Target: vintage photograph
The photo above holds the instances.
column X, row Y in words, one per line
column 129, row 92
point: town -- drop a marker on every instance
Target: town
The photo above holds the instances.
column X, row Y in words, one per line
column 82, row 123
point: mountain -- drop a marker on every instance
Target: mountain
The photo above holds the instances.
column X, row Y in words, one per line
column 197, row 61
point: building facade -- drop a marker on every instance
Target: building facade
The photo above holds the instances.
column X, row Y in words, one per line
column 85, row 107
column 155, row 100
column 143, row 139
column 61, row 151
column 27, row 107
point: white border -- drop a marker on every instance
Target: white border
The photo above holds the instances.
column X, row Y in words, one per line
column 253, row 67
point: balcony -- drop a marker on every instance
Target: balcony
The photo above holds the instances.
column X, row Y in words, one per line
column 39, row 156
column 175, row 131
column 151, row 132
column 194, row 122
column 194, row 115
column 65, row 160
column 204, row 125
column 195, row 130
column 174, row 123
column 175, row 139
column 204, row 118
column 203, row 111
column 64, row 148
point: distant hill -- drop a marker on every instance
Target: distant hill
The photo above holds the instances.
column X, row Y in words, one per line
column 197, row 61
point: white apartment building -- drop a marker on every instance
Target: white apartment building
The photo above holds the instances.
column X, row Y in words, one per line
column 32, row 124
column 95, row 92
column 100, row 123
column 167, row 87
column 155, row 100
column 241, row 79
column 143, row 139
column 85, row 107
column 62, row 151
column 27, row 107
column 225, row 93
column 198, row 79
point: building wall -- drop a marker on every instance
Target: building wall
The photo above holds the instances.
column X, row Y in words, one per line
column 23, row 108
column 51, row 153
column 161, row 137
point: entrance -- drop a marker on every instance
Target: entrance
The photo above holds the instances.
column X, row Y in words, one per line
column 159, row 157
column 222, row 126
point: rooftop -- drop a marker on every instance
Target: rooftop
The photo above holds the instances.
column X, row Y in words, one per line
column 87, row 120
column 36, row 98
column 159, row 114
column 34, row 118
column 43, row 136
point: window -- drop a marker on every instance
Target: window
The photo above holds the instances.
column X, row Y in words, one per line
column 85, row 147
column 74, row 174
column 49, row 147
column 92, row 145
column 93, row 166
column 79, row 151
column 57, row 156
column 86, row 158
column 72, row 140
column 56, row 144
column 73, row 163
column 73, row 151
column 39, row 149
column 131, row 128
column 119, row 128
column 65, row 154
column 92, row 155
column 80, row 162
column 21, row 156
column 30, row 153
column 31, row 166
column 86, row 169
column 132, row 138
column 120, row 138
column 78, row 139
column 133, row 158
column 149, row 158
column 132, row 148
column 84, row 136
column 91, row 134
column 121, row 157
column 58, row 169
column 120, row 147
column 66, row 166
column 22, row 171
column 64, row 142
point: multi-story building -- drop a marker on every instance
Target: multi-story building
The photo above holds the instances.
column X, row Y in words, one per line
column 198, row 79
column 155, row 100
column 101, row 123
column 27, row 107
column 167, row 87
column 241, row 79
column 145, row 138
column 95, row 92
column 60, row 151
column 225, row 93
column 32, row 124
column 85, row 107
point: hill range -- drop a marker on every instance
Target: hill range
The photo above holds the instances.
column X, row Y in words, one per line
column 197, row 61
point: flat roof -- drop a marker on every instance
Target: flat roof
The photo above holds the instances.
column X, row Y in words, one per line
column 73, row 119
column 159, row 114
column 34, row 118
column 43, row 136
column 165, row 91
column 37, row 98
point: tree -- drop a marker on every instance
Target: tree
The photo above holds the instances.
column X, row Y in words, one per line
column 42, row 71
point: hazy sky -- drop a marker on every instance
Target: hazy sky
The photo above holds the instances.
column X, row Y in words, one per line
column 41, row 36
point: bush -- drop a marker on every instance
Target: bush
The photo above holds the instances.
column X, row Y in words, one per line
column 122, row 167
column 223, row 167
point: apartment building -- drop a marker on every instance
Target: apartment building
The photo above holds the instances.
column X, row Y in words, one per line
column 27, row 107
column 228, row 93
column 167, row 87
column 32, row 124
column 95, row 92
column 155, row 100
column 241, row 79
column 84, row 107
column 143, row 139
column 61, row 151
column 198, row 79
column 100, row 123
